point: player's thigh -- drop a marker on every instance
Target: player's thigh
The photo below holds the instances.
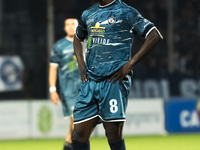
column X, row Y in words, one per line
column 113, row 131
column 82, row 131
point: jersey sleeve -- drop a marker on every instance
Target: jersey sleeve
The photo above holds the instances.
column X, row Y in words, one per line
column 81, row 30
column 139, row 25
column 55, row 57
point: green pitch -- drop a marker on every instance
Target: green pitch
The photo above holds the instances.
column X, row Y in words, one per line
column 170, row 142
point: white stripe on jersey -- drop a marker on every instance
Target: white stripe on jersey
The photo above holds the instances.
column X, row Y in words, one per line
column 151, row 30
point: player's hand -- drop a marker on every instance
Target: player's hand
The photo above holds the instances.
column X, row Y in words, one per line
column 54, row 97
column 83, row 76
column 121, row 73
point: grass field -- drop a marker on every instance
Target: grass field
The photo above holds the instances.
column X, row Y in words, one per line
column 170, row 142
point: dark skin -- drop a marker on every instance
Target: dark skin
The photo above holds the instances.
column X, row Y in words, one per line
column 78, row 50
column 103, row 2
column 149, row 45
column 113, row 130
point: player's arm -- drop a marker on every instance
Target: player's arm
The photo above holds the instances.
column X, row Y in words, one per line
column 80, row 35
column 152, row 40
column 52, row 83
column 78, row 50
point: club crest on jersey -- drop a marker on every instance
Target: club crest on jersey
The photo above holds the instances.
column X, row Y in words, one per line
column 111, row 20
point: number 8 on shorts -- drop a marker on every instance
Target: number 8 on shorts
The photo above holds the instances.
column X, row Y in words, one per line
column 113, row 106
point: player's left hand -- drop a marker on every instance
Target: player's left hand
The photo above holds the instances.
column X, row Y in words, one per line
column 121, row 73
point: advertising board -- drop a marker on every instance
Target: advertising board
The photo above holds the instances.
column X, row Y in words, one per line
column 182, row 116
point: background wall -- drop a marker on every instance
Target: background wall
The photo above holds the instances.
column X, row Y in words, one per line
column 24, row 24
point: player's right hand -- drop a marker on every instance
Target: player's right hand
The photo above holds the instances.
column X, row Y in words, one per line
column 54, row 97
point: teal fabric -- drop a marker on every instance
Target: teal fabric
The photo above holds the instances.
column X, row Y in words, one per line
column 110, row 32
column 103, row 99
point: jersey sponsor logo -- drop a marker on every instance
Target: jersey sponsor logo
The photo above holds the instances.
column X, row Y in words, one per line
column 98, row 41
column 97, row 30
column 101, row 41
column 111, row 20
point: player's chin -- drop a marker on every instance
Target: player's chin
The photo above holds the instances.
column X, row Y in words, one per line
column 70, row 33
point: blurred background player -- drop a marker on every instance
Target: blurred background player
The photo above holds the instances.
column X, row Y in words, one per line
column 64, row 61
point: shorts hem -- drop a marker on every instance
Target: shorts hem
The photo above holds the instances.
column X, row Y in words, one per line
column 112, row 120
column 84, row 120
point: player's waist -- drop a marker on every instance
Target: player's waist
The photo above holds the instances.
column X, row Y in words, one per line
column 96, row 78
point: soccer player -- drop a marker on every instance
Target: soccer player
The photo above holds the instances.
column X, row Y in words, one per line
column 110, row 27
column 64, row 60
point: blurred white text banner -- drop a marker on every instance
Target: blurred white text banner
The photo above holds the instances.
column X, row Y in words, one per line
column 42, row 119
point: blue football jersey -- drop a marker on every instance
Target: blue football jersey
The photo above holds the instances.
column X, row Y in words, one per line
column 68, row 71
column 110, row 31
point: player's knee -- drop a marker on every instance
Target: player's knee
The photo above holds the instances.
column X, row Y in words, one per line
column 79, row 136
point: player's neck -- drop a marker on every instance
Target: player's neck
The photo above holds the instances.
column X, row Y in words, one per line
column 70, row 38
column 105, row 2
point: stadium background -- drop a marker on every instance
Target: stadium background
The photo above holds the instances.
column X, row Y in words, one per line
column 166, row 85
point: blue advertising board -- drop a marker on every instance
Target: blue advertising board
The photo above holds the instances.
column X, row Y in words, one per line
column 182, row 116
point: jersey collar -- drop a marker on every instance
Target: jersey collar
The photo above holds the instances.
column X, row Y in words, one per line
column 107, row 4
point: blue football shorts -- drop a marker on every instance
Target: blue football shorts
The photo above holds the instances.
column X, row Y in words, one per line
column 67, row 105
column 102, row 99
